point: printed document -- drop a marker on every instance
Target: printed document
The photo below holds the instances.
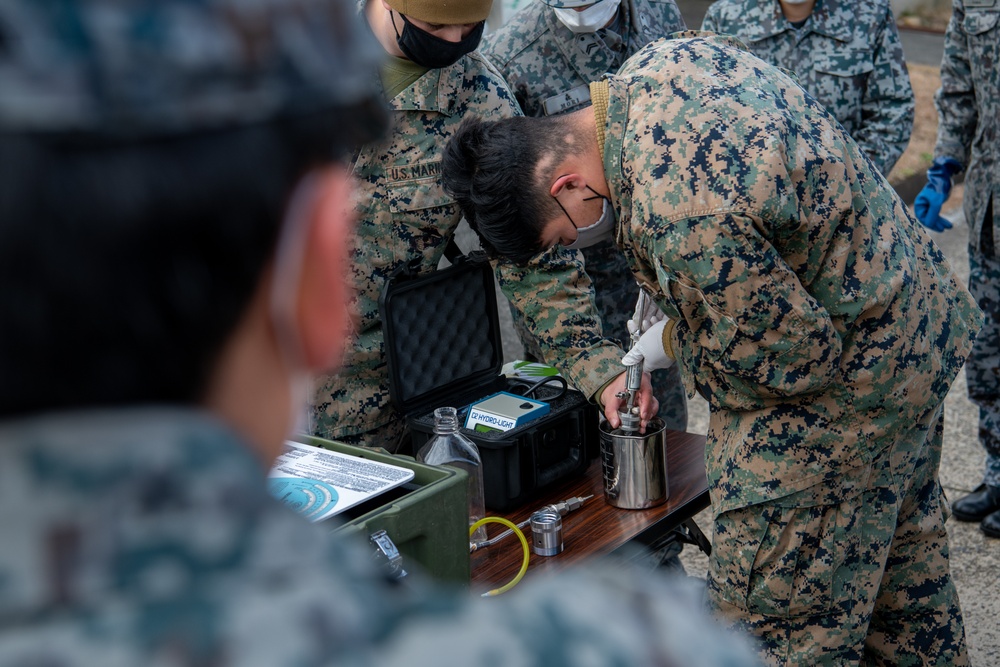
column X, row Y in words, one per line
column 319, row 483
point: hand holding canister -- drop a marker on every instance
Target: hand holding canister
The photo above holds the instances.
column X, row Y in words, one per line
column 646, row 353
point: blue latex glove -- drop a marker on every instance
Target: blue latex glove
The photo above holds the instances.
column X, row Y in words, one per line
column 927, row 205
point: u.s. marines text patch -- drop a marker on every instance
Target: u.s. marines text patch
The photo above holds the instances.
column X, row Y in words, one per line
column 414, row 172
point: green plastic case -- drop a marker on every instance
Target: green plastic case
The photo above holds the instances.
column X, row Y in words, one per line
column 426, row 518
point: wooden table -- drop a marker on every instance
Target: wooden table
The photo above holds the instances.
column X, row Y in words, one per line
column 597, row 527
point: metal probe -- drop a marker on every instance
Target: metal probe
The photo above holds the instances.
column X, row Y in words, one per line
column 633, row 374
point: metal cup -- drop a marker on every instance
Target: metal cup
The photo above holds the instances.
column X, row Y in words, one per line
column 635, row 466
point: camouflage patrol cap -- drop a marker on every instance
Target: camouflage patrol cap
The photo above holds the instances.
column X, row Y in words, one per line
column 139, row 68
column 446, row 12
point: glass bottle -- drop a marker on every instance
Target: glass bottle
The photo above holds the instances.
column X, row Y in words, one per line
column 450, row 447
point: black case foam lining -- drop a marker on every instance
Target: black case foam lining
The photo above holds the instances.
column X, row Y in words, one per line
column 443, row 346
column 441, row 334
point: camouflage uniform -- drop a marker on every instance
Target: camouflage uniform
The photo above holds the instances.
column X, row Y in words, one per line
column 146, row 537
column 847, row 55
column 824, row 328
column 549, row 68
column 969, row 132
column 405, row 215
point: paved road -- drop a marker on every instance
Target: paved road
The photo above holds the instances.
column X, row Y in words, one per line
column 922, row 48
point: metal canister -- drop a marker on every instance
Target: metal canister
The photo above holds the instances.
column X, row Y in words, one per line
column 635, row 466
column 546, row 532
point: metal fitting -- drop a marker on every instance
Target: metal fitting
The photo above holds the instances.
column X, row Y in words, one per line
column 546, row 532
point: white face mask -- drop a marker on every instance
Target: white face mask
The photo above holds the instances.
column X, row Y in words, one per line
column 601, row 230
column 288, row 261
column 590, row 19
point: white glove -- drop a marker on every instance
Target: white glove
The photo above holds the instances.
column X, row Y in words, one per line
column 649, row 349
column 648, row 316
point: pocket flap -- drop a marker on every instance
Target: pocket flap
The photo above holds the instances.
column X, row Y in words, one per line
column 415, row 196
column 979, row 21
column 844, row 63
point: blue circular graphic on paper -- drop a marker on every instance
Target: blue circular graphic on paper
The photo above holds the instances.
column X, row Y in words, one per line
column 310, row 497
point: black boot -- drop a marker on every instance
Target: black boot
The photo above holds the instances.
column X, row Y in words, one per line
column 991, row 525
column 979, row 504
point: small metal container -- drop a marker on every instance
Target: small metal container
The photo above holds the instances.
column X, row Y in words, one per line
column 635, row 466
column 546, row 532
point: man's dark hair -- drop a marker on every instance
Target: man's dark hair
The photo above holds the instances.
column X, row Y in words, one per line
column 125, row 266
column 491, row 168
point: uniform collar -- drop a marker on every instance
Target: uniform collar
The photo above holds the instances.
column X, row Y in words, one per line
column 611, row 118
column 763, row 19
column 434, row 91
column 584, row 53
column 437, row 90
column 599, row 97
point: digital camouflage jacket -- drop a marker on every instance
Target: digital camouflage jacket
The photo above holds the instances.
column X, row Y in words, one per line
column 813, row 311
column 549, row 67
column 968, row 106
column 404, row 215
column 848, row 56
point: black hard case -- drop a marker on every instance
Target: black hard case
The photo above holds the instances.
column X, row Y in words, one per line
column 443, row 346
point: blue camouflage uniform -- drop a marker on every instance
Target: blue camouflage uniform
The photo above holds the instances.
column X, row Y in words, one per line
column 549, row 69
column 847, row 55
column 968, row 106
column 404, row 215
column 824, row 328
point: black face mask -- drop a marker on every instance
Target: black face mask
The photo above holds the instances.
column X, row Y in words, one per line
column 433, row 52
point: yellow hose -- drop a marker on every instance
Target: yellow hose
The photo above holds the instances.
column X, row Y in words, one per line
column 524, row 544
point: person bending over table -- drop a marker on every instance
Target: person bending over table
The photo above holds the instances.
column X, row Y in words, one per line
column 803, row 301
